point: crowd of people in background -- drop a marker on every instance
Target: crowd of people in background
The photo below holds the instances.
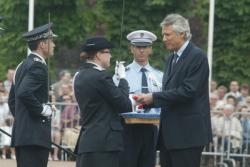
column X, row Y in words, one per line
column 225, row 101
column 230, row 114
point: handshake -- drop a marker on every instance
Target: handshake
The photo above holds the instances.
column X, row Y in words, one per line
column 140, row 100
column 120, row 69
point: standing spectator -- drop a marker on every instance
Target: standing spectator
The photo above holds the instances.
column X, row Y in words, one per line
column 5, row 140
column 55, row 131
column 221, row 91
column 229, row 127
column 234, row 90
column 7, row 83
column 6, row 121
column 244, row 91
column 185, row 123
column 64, row 78
column 100, row 101
column 245, row 122
column 3, row 91
column 68, row 114
column 213, row 86
column 28, row 101
column 232, row 100
column 213, row 99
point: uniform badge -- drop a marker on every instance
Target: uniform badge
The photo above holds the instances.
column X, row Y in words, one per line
column 39, row 60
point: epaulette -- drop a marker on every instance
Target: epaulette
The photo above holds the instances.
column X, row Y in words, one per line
column 99, row 68
column 38, row 60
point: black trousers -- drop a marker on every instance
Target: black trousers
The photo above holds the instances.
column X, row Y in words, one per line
column 32, row 156
column 98, row 159
column 139, row 145
column 190, row 157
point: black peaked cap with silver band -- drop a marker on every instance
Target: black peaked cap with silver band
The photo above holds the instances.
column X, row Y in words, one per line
column 42, row 32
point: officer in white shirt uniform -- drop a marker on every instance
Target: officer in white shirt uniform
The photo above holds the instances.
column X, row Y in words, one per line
column 140, row 139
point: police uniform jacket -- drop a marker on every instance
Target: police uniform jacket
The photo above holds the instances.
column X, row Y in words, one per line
column 100, row 102
column 185, row 114
column 28, row 93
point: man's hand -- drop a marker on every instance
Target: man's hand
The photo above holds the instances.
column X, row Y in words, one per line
column 144, row 98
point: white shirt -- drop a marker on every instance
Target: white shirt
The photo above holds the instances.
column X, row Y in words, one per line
column 181, row 50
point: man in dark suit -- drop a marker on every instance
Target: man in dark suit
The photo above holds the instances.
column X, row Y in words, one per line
column 27, row 101
column 185, row 125
column 100, row 102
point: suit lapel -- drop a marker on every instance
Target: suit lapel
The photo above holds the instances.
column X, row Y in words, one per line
column 168, row 68
column 179, row 63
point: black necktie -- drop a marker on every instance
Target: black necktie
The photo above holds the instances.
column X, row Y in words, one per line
column 174, row 61
column 144, row 83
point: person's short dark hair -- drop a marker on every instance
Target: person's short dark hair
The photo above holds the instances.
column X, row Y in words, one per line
column 10, row 67
column 234, row 99
column 33, row 45
column 244, row 86
column 222, row 87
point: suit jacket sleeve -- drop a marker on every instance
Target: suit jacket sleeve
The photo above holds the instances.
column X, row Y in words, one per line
column 11, row 100
column 193, row 84
column 117, row 97
column 33, row 80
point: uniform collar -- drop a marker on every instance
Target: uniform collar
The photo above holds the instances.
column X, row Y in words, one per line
column 98, row 67
column 43, row 60
column 137, row 67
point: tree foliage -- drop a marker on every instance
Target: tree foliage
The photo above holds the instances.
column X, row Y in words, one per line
column 231, row 40
column 74, row 21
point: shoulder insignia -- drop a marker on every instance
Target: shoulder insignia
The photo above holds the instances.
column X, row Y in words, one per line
column 38, row 60
column 99, row 68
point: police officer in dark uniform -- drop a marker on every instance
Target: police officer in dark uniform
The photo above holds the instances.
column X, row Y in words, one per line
column 100, row 102
column 28, row 98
